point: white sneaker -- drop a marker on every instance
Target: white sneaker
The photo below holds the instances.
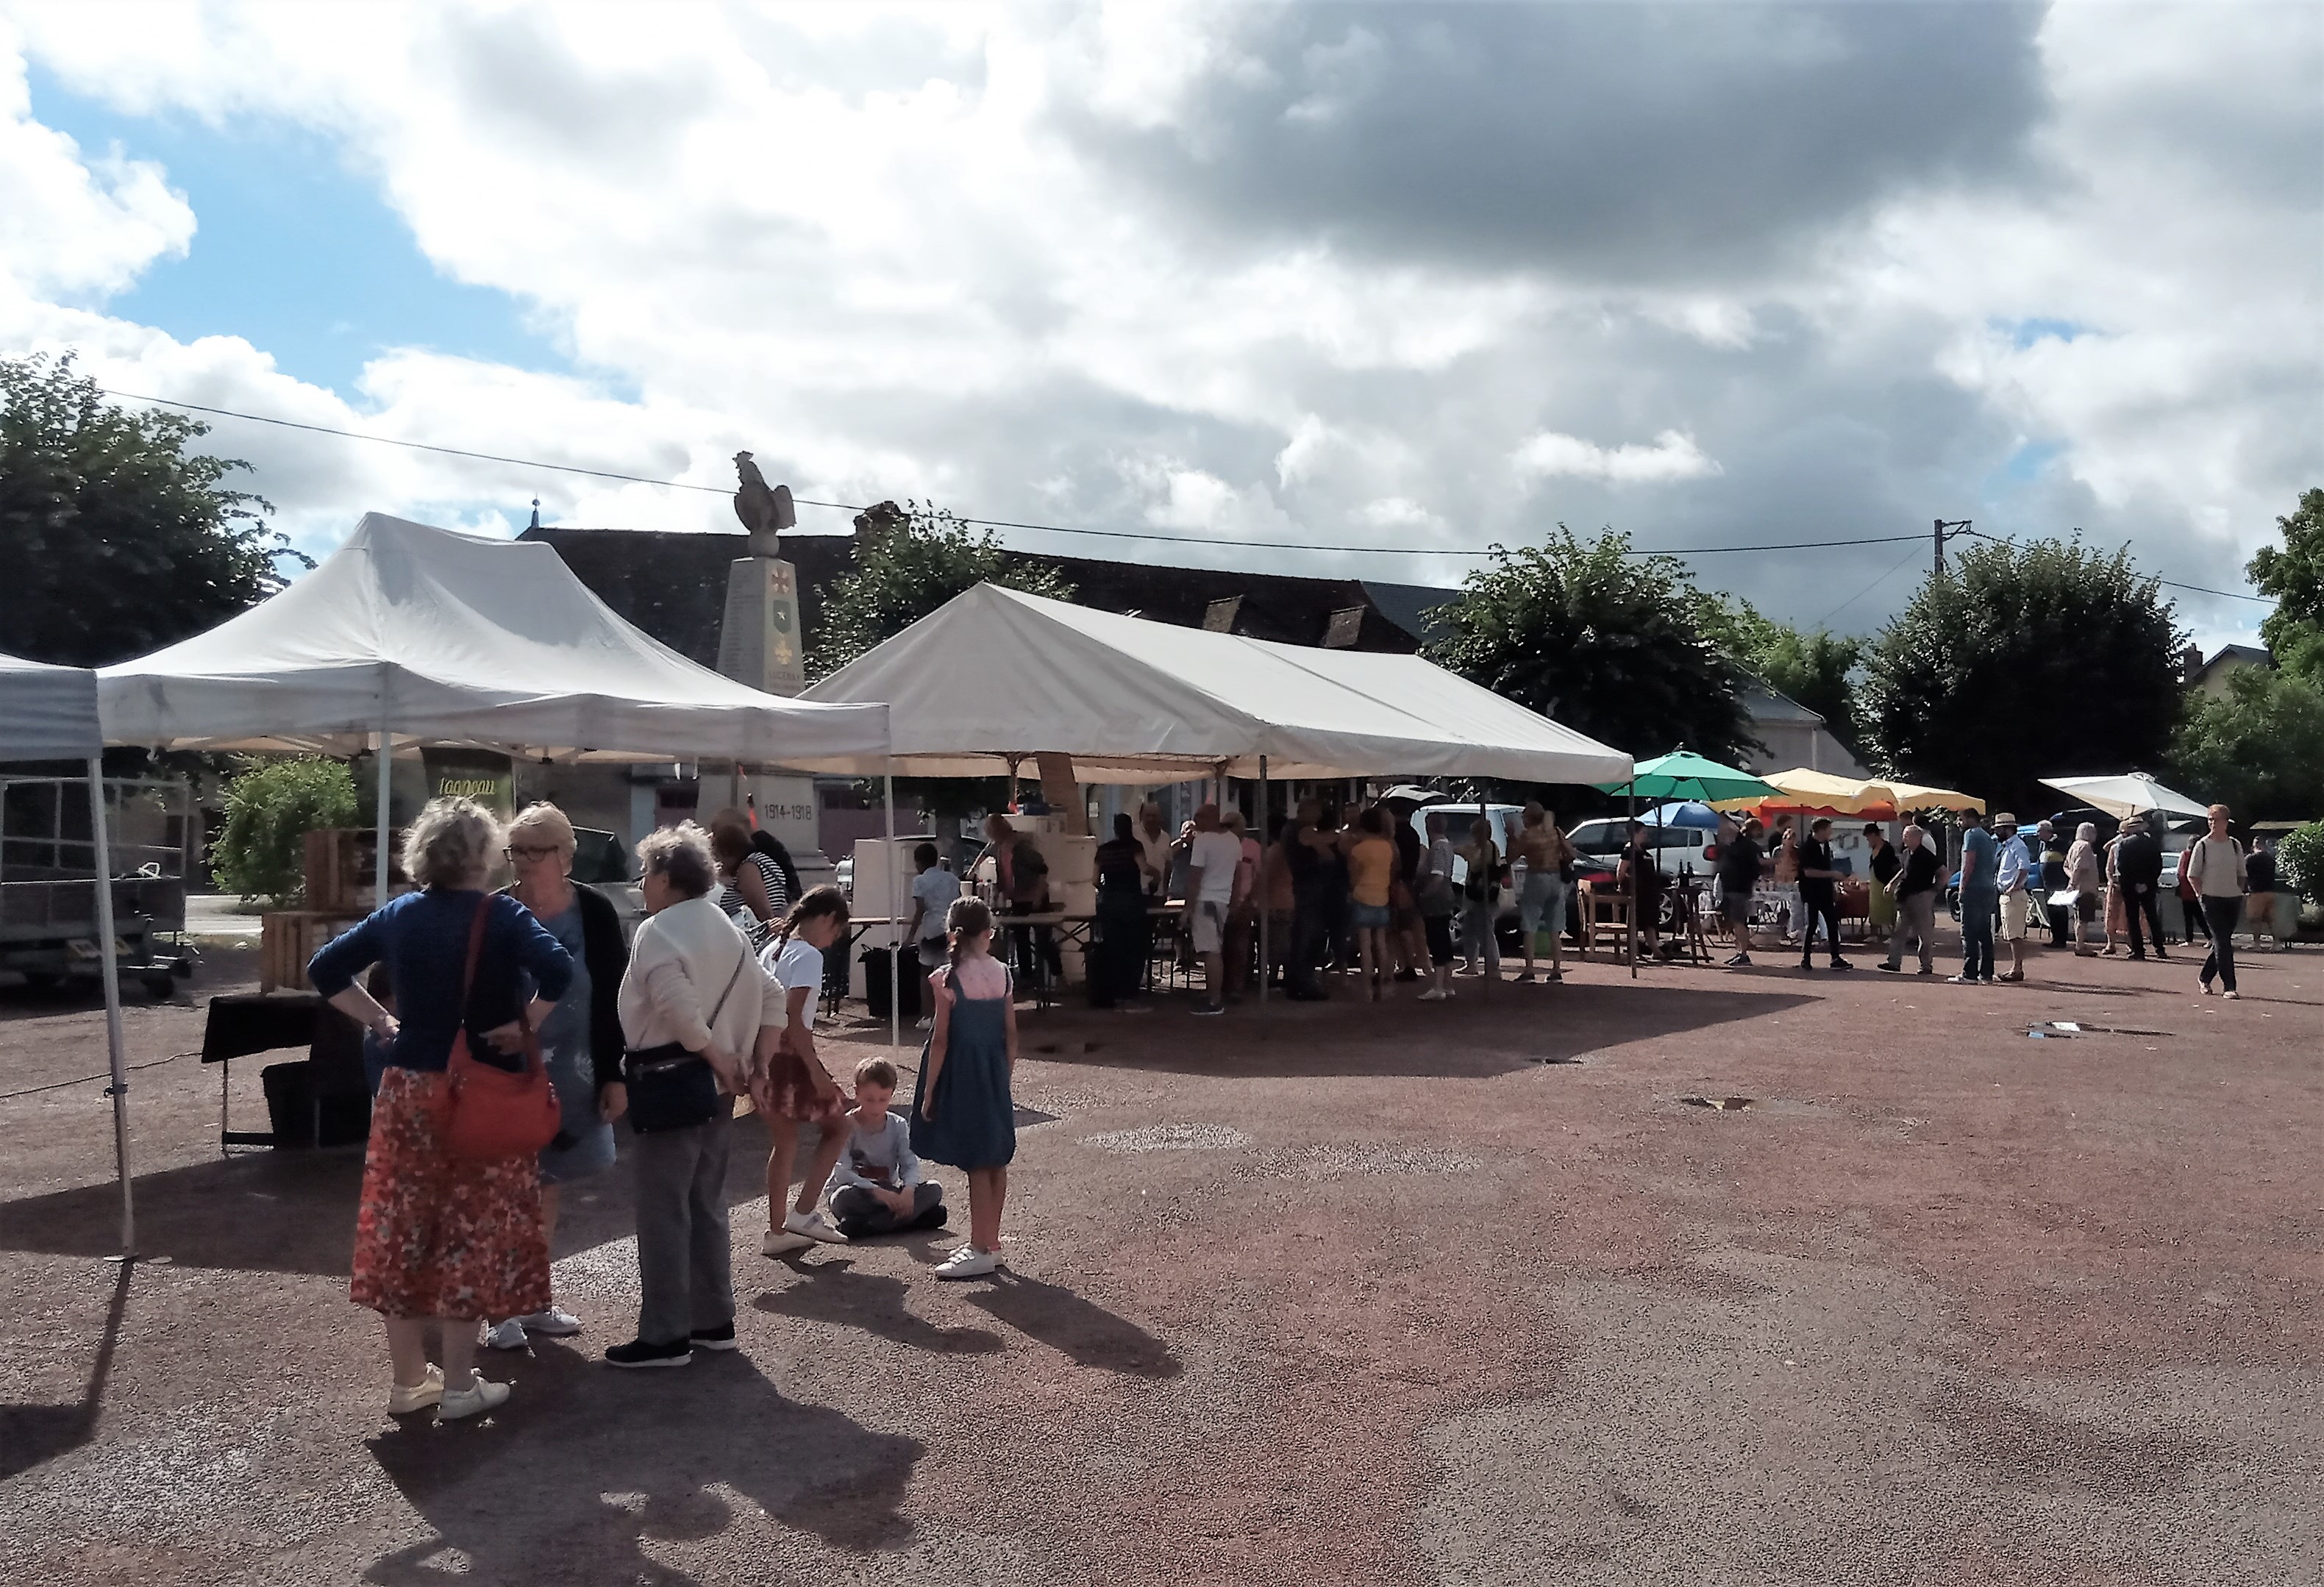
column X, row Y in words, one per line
column 1435, row 994
column 403, row 1401
column 553, row 1323
column 2233, row 997
column 507, row 1335
column 782, row 1243
column 926, row 1022
column 813, row 1226
column 968, row 1262
column 479, row 1397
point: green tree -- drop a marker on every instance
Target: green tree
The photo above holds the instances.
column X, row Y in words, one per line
column 910, row 561
column 2258, row 747
column 2294, row 575
column 116, row 538
column 270, row 807
column 1607, row 642
column 2021, row 663
column 1817, row 669
column 2300, row 859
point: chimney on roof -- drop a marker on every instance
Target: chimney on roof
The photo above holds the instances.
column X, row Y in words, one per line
column 2191, row 662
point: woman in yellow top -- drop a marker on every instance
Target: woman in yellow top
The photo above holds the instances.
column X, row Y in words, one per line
column 1371, row 872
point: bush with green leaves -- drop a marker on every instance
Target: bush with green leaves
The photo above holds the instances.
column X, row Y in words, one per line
column 2299, row 861
column 270, row 807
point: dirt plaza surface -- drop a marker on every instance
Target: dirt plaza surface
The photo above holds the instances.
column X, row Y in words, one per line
column 1405, row 1294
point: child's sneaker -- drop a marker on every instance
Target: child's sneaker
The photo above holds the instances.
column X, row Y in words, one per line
column 968, row 1262
column 813, row 1227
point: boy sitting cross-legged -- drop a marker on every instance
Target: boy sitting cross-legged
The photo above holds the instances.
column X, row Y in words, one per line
column 877, row 1186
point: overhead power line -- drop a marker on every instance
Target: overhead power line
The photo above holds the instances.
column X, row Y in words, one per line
column 1118, row 534
column 2166, row 583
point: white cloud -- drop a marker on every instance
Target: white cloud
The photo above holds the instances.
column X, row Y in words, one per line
column 892, row 250
column 1672, row 455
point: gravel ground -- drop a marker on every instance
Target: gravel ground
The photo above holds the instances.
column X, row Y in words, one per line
column 1359, row 1295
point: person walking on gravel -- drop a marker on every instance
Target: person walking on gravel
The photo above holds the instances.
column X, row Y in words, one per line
column 2216, row 868
column 1819, row 895
column 1916, row 904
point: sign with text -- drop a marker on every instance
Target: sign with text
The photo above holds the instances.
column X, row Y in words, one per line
column 480, row 775
column 758, row 639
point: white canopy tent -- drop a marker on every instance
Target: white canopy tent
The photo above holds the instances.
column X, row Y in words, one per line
column 412, row 633
column 456, row 639
column 50, row 713
column 995, row 677
column 2133, row 793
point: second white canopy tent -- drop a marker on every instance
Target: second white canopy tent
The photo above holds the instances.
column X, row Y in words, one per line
column 995, row 677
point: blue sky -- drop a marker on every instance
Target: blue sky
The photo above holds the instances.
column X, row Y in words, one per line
column 296, row 252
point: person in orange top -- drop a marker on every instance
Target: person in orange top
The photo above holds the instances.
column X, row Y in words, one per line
column 1371, row 875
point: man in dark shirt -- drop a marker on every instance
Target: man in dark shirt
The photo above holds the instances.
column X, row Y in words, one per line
column 1740, row 861
column 2138, row 860
column 1916, row 903
column 1820, row 895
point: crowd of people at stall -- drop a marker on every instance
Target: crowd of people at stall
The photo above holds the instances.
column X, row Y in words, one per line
column 1385, row 897
column 712, row 1006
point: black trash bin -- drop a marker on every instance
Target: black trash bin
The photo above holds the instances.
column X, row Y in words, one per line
column 876, row 964
column 303, row 1118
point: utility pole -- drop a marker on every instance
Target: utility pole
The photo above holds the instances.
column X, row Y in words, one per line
column 1958, row 526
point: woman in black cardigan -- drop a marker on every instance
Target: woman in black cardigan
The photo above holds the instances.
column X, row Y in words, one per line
column 582, row 1036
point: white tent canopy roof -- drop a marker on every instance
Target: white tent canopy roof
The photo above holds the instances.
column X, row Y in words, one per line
column 2133, row 793
column 47, row 713
column 458, row 640
column 996, row 674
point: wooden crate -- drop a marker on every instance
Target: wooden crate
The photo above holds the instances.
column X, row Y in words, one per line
column 288, row 938
column 335, row 866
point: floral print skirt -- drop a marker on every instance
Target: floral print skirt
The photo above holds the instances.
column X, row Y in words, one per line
column 439, row 1235
column 782, row 1088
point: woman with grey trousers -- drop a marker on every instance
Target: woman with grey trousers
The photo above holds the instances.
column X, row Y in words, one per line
column 694, row 986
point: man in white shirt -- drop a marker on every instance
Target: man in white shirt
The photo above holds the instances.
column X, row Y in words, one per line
column 1161, row 849
column 1213, row 860
column 2014, row 877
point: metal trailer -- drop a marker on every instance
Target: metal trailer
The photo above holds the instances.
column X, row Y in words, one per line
column 49, row 929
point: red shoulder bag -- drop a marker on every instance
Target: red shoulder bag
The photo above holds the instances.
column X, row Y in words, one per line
column 489, row 1112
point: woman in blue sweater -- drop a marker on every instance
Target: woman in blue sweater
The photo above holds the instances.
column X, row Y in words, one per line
column 439, row 1238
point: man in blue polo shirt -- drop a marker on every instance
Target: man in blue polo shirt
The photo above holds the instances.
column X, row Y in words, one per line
column 1980, row 901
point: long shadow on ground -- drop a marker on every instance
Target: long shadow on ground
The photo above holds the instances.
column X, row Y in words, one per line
column 1514, row 1027
column 294, row 1211
column 586, row 1462
column 32, row 1434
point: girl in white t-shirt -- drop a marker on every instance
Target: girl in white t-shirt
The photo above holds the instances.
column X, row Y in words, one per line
column 789, row 1086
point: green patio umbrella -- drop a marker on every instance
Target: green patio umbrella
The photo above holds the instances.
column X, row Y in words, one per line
column 1683, row 775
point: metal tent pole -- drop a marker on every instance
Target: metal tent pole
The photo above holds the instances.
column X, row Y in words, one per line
column 386, row 764
column 895, row 913
column 110, row 973
column 1633, row 816
column 1258, row 882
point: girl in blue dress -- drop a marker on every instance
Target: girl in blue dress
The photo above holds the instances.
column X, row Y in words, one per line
column 962, row 1112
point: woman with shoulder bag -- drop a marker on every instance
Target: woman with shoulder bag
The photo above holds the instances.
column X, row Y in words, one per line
column 581, row 1040
column 692, row 1006
column 442, row 1238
